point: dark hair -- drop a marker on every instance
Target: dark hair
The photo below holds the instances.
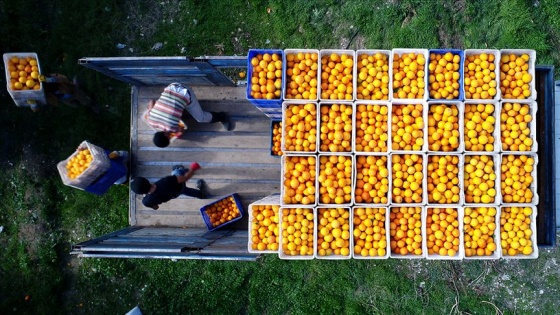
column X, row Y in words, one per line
column 160, row 139
column 140, row 185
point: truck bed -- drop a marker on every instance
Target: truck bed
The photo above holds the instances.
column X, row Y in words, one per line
column 237, row 161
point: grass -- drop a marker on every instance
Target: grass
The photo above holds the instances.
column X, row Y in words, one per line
column 41, row 218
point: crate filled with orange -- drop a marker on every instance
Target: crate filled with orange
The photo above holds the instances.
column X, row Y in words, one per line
column 373, row 75
column 444, row 179
column 84, row 166
column 78, row 163
column 480, row 233
column 406, row 232
column 299, row 180
column 335, row 179
column 23, row 72
column 481, row 126
column 299, row 124
column 264, row 76
column 481, row 71
column 408, row 122
column 445, row 78
column 518, row 126
column 444, row 132
column 371, row 127
column 337, row 75
column 410, row 73
column 333, row 233
column 276, row 138
column 224, row 211
column 370, row 233
column 335, row 127
column 518, row 232
column 517, row 74
column 264, row 225
column 297, row 233
column 443, row 233
column 372, row 180
column 518, row 178
column 407, row 178
column 480, row 179
column 302, row 74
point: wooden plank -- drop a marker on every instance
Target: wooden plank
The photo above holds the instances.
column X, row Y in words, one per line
column 212, row 140
column 228, row 94
column 181, row 155
column 232, row 173
column 136, row 248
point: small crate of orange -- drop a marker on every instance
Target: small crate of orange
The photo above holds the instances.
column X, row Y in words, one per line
column 333, row 233
column 373, row 75
column 297, row 233
column 337, row 74
column 444, row 233
column 84, row 166
column 410, row 74
column 276, row 138
column 406, row 232
column 481, row 236
column 445, row 80
column 22, row 77
column 301, row 68
column 265, row 78
column 371, row 233
column 335, row 128
column 224, row 211
column 264, row 225
column 517, row 74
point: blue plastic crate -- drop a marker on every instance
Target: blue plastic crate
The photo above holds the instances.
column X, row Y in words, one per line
column 103, row 183
column 262, row 102
column 206, row 218
column 461, row 72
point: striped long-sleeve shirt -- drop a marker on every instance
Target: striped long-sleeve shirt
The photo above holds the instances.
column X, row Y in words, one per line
column 166, row 113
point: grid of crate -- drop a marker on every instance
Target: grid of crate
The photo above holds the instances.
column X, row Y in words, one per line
column 414, row 155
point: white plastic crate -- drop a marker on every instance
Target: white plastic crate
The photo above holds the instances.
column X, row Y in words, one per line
column 496, row 62
column 281, row 253
column 460, row 123
column 496, row 133
column 394, row 254
column 372, row 52
column 424, row 104
column 424, row 181
column 533, row 218
column 24, row 98
column 286, row 157
column 461, row 250
column 387, row 233
column 355, row 174
column 287, row 78
column 339, row 52
column 272, row 200
column 460, row 177
column 356, row 125
column 286, row 126
column 533, row 107
column 99, row 165
column 319, row 185
column 321, row 124
column 497, row 199
column 400, row 52
column 318, row 229
column 496, row 236
column 532, row 186
column 532, row 59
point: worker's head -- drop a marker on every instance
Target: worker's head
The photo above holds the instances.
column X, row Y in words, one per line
column 161, row 139
column 140, row 185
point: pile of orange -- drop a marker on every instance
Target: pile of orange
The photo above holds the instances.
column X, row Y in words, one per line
column 336, row 77
column 373, row 76
column 222, row 211
column 443, row 179
column 516, row 178
column 335, row 179
column 264, row 228
column 515, row 129
column 443, row 127
column 277, row 138
column 409, row 75
column 297, row 231
column 24, row 74
column 444, row 76
column 479, row 127
column 77, row 164
column 480, row 76
column 299, row 180
column 300, row 128
column 336, row 128
column 406, row 230
column 370, row 232
column 480, row 179
column 479, row 225
column 301, row 75
column 372, row 128
column 266, row 78
column 372, row 179
column 515, row 224
column 334, row 232
column 442, row 231
column 515, row 77
column 407, row 125
column 407, row 175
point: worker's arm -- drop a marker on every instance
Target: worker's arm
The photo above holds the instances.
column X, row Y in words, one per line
column 194, row 166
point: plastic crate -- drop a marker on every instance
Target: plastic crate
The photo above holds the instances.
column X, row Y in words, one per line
column 461, row 249
column 386, row 227
column 460, row 177
column 361, row 202
column 319, row 185
column 496, row 62
column 532, row 59
column 339, row 52
column 206, row 218
column 455, row 52
column 357, row 66
column 394, row 254
column 357, row 125
column 399, row 52
column 532, row 186
column 281, row 252
column 460, row 123
column 318, row 227
column 99, row 165
column 496, row 133
column 289, row 125
column 252, row 53
column 103, row 183
column 283, row 187
column 24, row 98
column 424, row 113
column 272, row 200
column 312, row 75
column 497, row 199
column 533, row 237
column 495, row 235
column 533, row 108
column 321, row 124
column 424, row 181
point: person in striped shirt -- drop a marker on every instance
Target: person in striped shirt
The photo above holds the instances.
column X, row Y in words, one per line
column 165, row 115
